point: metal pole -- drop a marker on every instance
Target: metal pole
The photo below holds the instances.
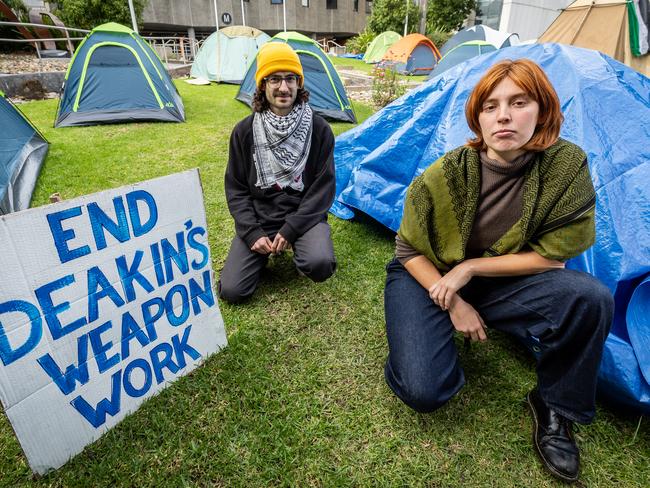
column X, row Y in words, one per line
column 216, row 14
column 243, row 15
column 135, row 24
column 423, row 19
column 406, row 20
column 284, row 14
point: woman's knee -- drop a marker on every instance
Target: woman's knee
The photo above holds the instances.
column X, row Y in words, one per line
column 424, row 393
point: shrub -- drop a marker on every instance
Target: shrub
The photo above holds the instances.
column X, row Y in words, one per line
column 386, row 86
column 359, row 43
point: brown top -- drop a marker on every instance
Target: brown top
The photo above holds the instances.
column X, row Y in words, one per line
column 499, row 207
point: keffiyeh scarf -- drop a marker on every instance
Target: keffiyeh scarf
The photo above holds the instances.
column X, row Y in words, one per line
column 281, row 146
column 557, row 218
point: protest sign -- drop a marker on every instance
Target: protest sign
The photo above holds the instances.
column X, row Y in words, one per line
column 104, row 300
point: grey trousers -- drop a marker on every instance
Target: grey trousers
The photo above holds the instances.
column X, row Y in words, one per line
column 313, row 255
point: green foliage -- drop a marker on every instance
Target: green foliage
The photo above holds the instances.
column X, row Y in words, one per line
column 19, row 8
column 360, row 42
column 386, row 86
column 391, row 14
column 448, row 15
column 87, row 14
column 439, row 37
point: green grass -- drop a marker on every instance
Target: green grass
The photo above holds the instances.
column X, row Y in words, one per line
column 298, row 397
column 359, row 65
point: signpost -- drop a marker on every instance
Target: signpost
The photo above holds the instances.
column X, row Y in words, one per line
column 104, row 300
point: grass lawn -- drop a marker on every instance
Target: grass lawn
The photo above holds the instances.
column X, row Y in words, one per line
column 298, row 397
column 359, row 65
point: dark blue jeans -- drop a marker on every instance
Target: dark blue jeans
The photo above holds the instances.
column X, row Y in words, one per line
column 563, row 315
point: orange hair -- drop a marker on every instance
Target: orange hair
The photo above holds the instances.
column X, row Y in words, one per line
column 530, row 77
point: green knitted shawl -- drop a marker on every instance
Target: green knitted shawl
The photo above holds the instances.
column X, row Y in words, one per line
column 557, row 219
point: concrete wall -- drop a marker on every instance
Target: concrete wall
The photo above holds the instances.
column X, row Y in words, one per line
column 314, row 19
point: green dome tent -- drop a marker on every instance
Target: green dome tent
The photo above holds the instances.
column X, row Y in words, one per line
column 115, row 76
column 327, row 94
column 380, row 45
column 225, row 55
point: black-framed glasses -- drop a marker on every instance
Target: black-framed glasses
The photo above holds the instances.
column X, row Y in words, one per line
column 276, row 81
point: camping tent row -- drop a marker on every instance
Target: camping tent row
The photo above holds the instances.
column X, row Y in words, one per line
column 22, row 151
column 327, row 94
column 226, row 54
column 470, row 42
column 618, row 28
column 115, row 76
column 414, row 54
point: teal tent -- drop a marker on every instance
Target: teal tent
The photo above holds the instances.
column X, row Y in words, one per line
column 226, row 55
column 22, row 151
column 327, row 94
column 115, row 76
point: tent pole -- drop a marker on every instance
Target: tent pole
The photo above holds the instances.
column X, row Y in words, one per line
column 132, row 10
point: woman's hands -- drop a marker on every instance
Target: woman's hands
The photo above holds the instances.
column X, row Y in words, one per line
column 467, row 320
column 444, row 291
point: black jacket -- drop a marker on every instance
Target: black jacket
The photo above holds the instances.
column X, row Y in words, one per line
column 260, row 212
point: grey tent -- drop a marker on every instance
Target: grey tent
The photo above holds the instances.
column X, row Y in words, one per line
column 22, row 151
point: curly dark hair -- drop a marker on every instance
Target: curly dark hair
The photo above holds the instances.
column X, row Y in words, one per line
column 260, row 103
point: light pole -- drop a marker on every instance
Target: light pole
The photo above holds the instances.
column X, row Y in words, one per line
column 243, row 16
column 406, row 20
column 284, row 14
column 135, row 24
column 216, row 14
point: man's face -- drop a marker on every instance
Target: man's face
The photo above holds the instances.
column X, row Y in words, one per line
column 281, row 89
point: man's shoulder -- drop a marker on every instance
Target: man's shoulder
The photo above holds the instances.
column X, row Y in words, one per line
column 320, row 125
column 244, row 125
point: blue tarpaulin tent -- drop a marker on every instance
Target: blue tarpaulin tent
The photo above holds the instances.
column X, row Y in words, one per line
column 606, row 107
column 22, row 151
column 115, row 76
column 327, row 94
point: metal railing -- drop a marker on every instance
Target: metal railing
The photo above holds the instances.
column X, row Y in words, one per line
column 170, row 49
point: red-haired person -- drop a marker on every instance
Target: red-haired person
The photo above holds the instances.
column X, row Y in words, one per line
column 482, row 244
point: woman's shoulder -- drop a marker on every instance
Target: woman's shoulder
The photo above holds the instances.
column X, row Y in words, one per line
column 564, row 152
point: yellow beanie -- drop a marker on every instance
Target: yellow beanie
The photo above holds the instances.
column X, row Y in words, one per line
column 277, row 56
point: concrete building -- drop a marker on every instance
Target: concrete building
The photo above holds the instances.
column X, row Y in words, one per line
column 317, row 18
column 528, row 18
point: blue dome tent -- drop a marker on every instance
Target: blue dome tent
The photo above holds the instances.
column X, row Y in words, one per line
column 327, row 94
column 22, row 151
column 605, row 104
column 115, row 76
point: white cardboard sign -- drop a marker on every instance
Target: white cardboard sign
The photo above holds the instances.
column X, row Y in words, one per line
column 104, row 300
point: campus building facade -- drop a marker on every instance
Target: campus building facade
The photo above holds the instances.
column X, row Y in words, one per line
column 315, row 18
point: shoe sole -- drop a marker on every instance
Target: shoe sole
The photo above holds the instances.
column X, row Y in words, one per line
column 547, row 465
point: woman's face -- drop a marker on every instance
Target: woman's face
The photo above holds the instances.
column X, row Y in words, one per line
column 508, row 119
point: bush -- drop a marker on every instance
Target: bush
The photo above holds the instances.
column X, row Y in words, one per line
column 439, row 37
column 386, row 86
column 359, row 43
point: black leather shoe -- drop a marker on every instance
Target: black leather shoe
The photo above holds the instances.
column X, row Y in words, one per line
column 553, row 439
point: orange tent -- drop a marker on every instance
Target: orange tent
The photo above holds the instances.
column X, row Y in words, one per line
column 412, row 55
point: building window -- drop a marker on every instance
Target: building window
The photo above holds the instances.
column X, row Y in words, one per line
column 368, row 6
column 355, row 5
column 305, row 3
column 276, row 2
column 331, row 4
column 489, row 12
